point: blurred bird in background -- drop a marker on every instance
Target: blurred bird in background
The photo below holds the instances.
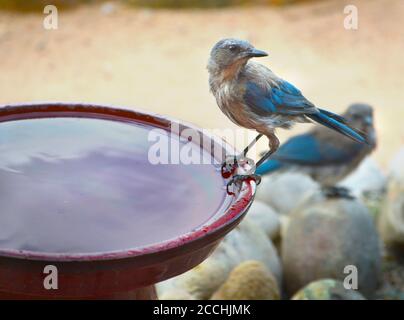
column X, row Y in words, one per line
column 323, row 154
column 253, row 97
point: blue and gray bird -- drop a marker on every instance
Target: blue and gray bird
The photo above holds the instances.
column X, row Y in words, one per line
column 253, row 97
column 323, row 154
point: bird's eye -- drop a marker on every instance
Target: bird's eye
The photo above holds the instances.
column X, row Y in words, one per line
column 233, row 48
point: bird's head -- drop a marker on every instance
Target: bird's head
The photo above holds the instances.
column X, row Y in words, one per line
column 360, row 116
column 232, row 53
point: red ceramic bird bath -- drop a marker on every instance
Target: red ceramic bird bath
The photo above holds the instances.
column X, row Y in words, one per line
column 79, row 192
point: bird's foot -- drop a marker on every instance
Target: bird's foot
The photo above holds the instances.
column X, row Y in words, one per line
column 237, row 180
column 338, row 192
column 231, row 163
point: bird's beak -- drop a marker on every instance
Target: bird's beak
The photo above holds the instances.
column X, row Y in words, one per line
column 256, row 53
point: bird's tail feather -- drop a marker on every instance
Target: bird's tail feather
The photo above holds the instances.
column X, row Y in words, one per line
column 334, row 116
column 268, row 166
column 339, row 124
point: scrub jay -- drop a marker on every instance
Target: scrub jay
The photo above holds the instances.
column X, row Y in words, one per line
column 253, row 97
column 323, row 154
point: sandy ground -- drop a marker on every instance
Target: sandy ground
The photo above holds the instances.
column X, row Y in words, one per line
column 156, row 60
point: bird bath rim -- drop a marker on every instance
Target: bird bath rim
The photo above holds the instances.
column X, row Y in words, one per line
column 230, row 215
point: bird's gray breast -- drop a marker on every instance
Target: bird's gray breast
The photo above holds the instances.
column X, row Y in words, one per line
column 229, row 97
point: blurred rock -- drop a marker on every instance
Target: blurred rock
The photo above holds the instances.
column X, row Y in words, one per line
column 391, row 223
column 368, row 183
column 284, row 220
column 326, row 235
column 366, row 179
column 250, row 280
column 396, row 165
column 176, row 294
column 327, row 289
column 392, row 287
column 246, row 242
column 251, row 243
column 201, row 281
column 285, row 191
column 266, row 218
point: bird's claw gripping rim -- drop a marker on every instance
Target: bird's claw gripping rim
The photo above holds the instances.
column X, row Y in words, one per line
column 231, row 163
column 238, row 179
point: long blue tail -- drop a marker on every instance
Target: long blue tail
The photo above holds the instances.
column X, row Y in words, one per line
column 268, row 166
column 337, row 123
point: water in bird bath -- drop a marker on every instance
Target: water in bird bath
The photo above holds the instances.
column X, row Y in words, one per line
column 85, row 185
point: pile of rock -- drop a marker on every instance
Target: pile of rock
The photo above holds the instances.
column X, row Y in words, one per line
column 295, row 243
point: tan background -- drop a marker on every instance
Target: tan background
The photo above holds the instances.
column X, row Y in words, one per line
column 155, row 59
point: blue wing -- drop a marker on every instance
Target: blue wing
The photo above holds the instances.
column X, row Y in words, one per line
column 268, row 166
column 285, row 99
column 306, row 149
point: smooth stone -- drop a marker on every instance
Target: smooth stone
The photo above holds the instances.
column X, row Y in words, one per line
column 251, row 243
column 396, row 165
column 392, row 287
column 176, row 294
column 391, row 222
column 327, row 289
column 266, row 218
column 246, row 242
column 368, row 183
column 368, row 179
column 250, row 280
column 285, row 191
column 326, row 235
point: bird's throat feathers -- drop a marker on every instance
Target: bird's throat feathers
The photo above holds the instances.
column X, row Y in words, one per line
column 220, row 75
